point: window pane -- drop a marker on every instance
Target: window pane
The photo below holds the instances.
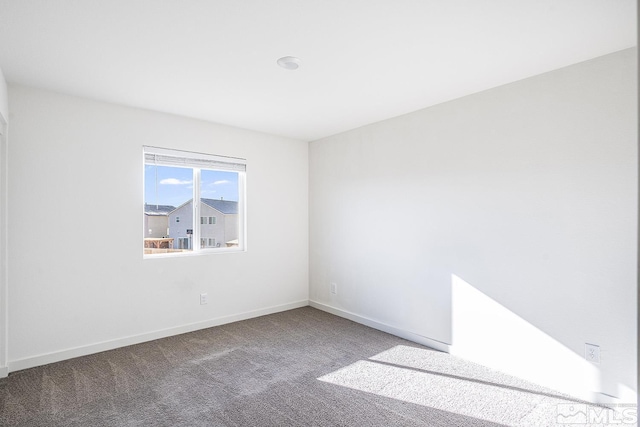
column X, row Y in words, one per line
column 219, row 193
column 168, row 209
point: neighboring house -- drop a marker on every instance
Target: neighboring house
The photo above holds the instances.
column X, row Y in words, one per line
column 218, row 224
column 156, row 220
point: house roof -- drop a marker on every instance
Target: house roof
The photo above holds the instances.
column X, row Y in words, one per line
column 157, row 210
column 224, row 206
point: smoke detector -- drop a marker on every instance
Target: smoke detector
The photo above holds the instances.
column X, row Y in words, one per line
column 289, row 62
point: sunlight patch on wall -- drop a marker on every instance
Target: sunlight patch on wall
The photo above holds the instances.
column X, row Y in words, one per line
column 487, row 333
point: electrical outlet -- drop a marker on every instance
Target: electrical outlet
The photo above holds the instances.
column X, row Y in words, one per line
column 333, row 288
column 204, row 299
column 592, row 353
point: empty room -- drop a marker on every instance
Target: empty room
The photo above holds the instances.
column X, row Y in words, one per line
column 318, row 213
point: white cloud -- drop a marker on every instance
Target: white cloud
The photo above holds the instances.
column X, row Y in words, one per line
column 222, row 181
column 174, row 181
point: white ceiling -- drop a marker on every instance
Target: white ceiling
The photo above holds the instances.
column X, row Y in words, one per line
column 362, row 60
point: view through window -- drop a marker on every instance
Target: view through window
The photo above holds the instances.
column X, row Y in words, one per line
column 173, row 223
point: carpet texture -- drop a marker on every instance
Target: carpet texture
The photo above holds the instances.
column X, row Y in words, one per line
column 301, row 367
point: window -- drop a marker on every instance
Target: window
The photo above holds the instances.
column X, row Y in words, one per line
column 173, row 180
column 183, row 243
column 207, row 220
column 208, row 243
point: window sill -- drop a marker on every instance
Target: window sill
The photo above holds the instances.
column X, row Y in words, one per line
column 201, row 252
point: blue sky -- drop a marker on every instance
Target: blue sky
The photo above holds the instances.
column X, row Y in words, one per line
column 175, row 185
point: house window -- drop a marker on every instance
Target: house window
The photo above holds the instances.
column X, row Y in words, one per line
column 183, row 243
column 207, row 220
column 173, row 180
column 208, row 243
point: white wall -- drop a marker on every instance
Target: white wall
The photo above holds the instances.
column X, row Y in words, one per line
column 4, row 100
column 75, row 165
column 4, row 120
column 524, row 196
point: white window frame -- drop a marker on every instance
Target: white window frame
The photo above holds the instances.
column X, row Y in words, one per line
column 197, row 162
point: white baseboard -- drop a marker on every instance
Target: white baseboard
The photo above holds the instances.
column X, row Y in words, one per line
column 4, row 372
column 408, row 335
column 44, row 359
